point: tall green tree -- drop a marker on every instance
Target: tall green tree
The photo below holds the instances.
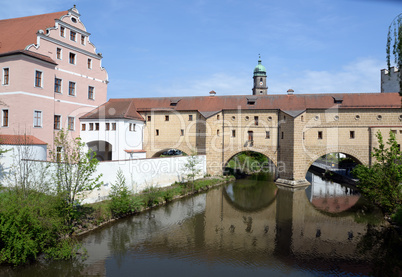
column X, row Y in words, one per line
column 394, row 42
column 381, row 183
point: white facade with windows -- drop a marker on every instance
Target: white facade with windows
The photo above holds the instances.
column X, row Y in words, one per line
column 114, row 139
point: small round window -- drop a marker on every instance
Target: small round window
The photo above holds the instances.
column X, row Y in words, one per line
column 74, row 20
column 357, row 117
column 336, row 117
column 247, row 118
column 233, row 117
column 316, row 117
column 269, row 118
column 379, row 117
column 400, row 117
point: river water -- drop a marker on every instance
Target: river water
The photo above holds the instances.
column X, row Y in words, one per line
column 249, row 227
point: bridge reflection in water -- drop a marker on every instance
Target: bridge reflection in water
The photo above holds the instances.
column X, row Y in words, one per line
column 247, row 227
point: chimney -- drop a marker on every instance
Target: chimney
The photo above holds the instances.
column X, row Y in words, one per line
column 290, row 91
column 212, row 93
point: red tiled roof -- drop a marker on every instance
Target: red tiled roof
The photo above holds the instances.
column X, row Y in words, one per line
column 18, row 33
column 20, row 140
column 292, row 104
column 29, row 53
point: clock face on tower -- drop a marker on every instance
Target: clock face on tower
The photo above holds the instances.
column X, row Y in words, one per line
column 261, row 83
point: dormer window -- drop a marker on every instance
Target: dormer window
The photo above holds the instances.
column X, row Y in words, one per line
column 251, row 100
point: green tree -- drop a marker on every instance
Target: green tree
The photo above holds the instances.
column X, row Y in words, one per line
column 191, row 167
column 75, row 168
column 394, row 41
column 122, row 201
column 381, row 183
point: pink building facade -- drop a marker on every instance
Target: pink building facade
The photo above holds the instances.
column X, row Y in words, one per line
column 50, row 75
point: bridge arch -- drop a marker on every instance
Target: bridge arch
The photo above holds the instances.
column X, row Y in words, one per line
column 349, row 152
column 102, row 149
column 229, row 156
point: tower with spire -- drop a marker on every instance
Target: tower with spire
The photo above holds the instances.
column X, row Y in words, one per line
column 260, row 79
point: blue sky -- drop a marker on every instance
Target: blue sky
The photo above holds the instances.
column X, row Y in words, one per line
column 184, row 47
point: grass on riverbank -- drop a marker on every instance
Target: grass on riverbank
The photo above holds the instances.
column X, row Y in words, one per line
column 34, row 224
column 98, row 213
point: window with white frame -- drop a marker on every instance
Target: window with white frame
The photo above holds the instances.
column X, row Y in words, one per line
column 72, row 58
column 70, row 123
column 6, row 76
column 82, row 39
column 57, row 85
column 4, row 119
column 38, row 79
column 73, row 36
column 57, row 122
column 89, row 63
column 62, row 31
column 37, row 120
column 71, row 88
column 91, row 93
column 58, row 53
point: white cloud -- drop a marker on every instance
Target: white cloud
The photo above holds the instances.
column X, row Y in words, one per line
column 361, row 75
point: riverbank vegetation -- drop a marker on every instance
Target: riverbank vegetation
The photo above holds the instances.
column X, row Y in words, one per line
column 36, row 225
column 381, row 183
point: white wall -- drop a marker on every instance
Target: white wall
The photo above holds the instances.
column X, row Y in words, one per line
column 143, row 173
column 7, row 159
column 121, row 139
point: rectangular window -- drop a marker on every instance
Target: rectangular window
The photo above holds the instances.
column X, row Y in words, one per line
column 6, row 76
column 72, row 58
column 107, row 126
column 149, row 118
column 267, row 135
column 57, row 85
column 304, row 137
column 319, row 134
column 132, row 127
column 91, row 93
column 71, row 88
column 217, row 117
column 89, row 64
column 233, row 133
column 113, row 126
column 58, row 53
column 5, row 118
column 82, row 39
column 37, row 119
column 352, row 134
column 83, row 127
column 157, row 132
column 302, row 119
column 250, row 135
column 58, row 153
column 38, row 79
column 282, row 136
column 57, row 120
column 190, row 117
column 71, row 123
column 91, row 126
column 73, row 36
column 256, row 120
column 217, row 132
column 62, row 32
column 181, row 132
column 166, row 118
column 96, row 126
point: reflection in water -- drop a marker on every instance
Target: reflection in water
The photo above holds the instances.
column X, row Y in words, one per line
column 230, row 230
column 329, row 196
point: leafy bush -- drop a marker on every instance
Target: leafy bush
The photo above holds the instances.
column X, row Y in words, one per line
column 30, row 225
column 151, row 196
